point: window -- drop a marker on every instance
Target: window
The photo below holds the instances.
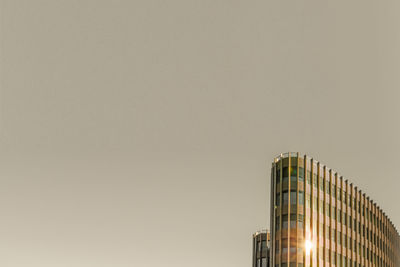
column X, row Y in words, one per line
column 293, row 219
column 277, row 246
column 350, row 221
column 321, row 183
column 278, row 199
column 284, row 221
column 333, row 258
column 301, row 174
column 308, row 177
column 278, row 176
column 315, row 180
column 315, row 203
column 277, row 223
column 308, row 201
column 293, row 171
column 264, row 262
column 285, row 172
column 328, row 232
column 293, row 197
column 301, row 197
column 300, row 220
column 263, row 245
column 285, row 198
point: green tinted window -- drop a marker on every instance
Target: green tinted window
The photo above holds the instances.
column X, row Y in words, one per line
column 293, row 171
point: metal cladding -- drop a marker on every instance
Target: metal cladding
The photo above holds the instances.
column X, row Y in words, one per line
column 320, row 219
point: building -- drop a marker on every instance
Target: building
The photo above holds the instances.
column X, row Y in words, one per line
column 320, row 219
column 261, row 245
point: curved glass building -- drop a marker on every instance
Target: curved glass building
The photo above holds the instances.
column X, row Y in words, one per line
column 261, row 245
column 320, row 219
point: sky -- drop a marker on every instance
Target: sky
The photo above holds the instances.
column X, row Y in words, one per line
column 141, row 133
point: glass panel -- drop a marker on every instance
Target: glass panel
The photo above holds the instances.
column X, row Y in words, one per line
column 308, row 201
column 263, row 245
column 308, row 177
column 293, row 171
column 284, row 221
column 293, row 197
column 300, row 220
column 315, row 180
column 285, row 198
column 285, row 172
column 301, row 174
column 293, row 219
column 278, row 175
column 264, row 262
column 277, row 223
column 301, row 197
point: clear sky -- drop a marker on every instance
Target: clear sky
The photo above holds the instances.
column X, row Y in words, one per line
column 141, row 133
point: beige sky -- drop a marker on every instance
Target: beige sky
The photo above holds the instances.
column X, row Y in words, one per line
column 140, row 133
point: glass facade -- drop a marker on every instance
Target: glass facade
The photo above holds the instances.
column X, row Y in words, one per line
column 320, row 219
column 261, row 249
